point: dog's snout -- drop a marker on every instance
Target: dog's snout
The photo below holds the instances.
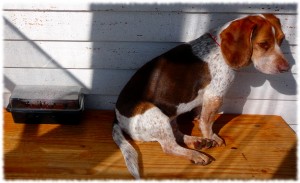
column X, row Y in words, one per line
column 283, row 66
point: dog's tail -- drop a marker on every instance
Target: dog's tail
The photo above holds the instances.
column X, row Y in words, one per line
column 129, row 153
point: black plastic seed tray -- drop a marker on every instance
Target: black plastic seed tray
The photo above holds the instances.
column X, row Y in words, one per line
column 46, row 104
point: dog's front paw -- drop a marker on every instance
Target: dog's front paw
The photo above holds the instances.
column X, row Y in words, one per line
column 201, row 159
column 203, row 143
column 218, row 141
column 198, row 143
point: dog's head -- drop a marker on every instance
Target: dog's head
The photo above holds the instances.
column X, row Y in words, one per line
column 257, row 39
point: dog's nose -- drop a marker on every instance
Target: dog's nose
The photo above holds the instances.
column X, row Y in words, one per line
column 283, row 66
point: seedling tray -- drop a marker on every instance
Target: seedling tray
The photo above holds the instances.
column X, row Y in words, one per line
column 46, row 104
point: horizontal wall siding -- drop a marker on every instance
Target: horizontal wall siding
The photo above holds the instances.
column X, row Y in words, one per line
column 110, row 82
column 100, row 46
column 120, row 26
column 90, row 5
column 96, row 55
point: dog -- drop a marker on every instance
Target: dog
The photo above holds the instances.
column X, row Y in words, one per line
column 196, row 74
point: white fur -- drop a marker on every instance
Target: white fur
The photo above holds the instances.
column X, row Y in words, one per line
column 222, row 77
column 152, row 125
column 129, row 153
column 146, row 126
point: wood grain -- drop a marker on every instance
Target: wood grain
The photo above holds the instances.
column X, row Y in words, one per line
column 258, row 147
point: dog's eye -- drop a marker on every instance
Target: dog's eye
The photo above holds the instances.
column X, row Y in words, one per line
column 265, row 45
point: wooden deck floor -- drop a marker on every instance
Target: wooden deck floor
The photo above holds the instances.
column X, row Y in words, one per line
column 258, row 147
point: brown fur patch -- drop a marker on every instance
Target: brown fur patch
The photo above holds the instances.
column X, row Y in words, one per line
column 277, row 25
column 174, row 77
column 236, row 44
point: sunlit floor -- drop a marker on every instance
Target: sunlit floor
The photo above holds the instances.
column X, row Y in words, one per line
column 257, row 147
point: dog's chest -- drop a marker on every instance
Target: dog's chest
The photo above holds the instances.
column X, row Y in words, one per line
column 222, row 77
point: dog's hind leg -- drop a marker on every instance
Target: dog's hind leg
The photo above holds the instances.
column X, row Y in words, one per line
column 154, row 125
column 171, row 147
column 159, row 128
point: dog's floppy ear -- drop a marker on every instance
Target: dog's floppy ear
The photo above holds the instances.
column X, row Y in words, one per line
column 275, row 22
column 236, row 43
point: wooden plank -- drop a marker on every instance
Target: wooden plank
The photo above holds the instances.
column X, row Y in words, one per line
column 258, row 148
column 106, row 26
column 92, row 5
column 96, row 55
column 110, row 82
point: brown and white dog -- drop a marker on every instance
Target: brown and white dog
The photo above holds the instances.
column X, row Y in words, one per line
column 190, row 75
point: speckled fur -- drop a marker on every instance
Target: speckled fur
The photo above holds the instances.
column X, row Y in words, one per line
column 222, row 77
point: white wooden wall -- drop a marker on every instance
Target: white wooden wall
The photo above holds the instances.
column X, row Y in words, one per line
column 100, row 46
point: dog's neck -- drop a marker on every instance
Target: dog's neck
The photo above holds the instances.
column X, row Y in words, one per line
column 207, row 46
